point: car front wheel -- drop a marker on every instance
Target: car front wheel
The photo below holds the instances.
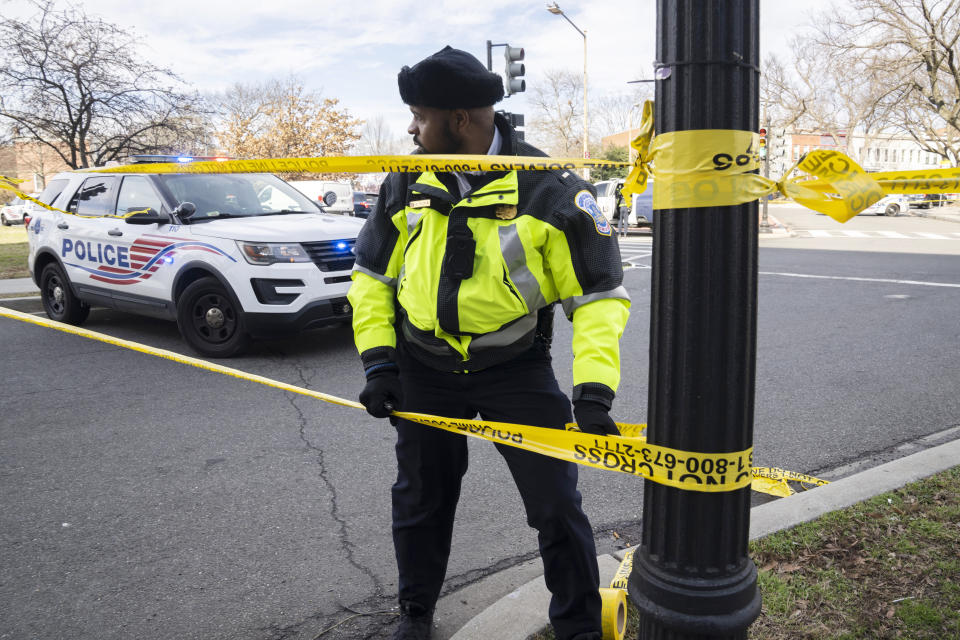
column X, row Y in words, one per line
column 58, row 299
column 4, row 220
column 209, row 320
column 892, row 210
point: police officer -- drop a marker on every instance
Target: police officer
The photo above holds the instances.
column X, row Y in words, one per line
column 454, row 288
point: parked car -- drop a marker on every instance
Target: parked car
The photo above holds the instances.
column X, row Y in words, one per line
column 317, row 191
column 12, row 213
column 227, row 256
column 364, row 203
column 927, row 200
column 892, row 205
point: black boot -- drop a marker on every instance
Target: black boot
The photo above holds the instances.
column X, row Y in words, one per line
column 415, row 622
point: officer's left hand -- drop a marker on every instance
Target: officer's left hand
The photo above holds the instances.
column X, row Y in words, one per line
column 594, row 417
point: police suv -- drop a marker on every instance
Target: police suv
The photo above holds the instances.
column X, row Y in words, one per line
column 228, row 256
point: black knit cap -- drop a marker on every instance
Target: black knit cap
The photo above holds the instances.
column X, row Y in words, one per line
column 449, row 79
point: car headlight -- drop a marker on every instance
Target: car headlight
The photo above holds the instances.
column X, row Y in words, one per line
column 273, row 252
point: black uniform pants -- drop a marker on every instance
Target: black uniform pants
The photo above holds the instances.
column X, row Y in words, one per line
column 432, row 462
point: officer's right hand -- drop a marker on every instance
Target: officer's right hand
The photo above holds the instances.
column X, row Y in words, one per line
column 594, row 418
column 382, row 389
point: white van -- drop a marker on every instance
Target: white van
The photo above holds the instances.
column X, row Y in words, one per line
column 317, row 189
column 640, row 213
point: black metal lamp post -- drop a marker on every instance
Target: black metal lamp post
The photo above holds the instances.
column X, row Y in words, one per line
column 692, row 577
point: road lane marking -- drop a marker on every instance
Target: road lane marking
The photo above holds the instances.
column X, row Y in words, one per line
column 876, row 234
column 858, row 279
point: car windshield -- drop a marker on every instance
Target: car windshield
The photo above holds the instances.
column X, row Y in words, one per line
column 236, row 195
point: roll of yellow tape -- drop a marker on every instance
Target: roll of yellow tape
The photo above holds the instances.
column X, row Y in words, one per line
column 613, row 617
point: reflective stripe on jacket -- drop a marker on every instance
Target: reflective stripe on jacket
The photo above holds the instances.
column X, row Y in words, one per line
column 539, row 239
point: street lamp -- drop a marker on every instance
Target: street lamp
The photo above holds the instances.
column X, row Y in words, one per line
column 557, row 11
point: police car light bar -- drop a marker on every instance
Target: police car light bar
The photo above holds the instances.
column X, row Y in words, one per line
column 153, row 158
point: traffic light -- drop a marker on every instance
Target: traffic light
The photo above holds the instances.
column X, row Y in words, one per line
column 513, row 70
column 763, row 142
column 777, row 142
column 516, row 121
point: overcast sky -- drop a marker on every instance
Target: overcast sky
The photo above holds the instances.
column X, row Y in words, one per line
column 353, row 50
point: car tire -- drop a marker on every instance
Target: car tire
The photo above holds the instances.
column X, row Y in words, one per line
column 892, row 210
column 4, row 220
column 209, row 320
column 57, row 298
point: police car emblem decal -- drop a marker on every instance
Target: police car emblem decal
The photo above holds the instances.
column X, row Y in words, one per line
column 118, row 264
column 585, row 202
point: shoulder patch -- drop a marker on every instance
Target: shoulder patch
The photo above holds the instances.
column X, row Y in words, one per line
column 585, row 202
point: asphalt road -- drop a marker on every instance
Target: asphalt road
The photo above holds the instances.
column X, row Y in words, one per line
column 143, row 498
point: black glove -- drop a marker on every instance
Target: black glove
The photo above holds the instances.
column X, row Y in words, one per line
column 591, row 408
column 382, row 393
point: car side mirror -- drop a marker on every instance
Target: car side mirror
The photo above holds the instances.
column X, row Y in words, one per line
column 149, row 216
column 329, row 198
column 185, row 210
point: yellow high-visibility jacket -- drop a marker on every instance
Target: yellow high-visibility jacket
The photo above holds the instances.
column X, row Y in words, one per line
column 463, row 279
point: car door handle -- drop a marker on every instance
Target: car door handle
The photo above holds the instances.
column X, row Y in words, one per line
column 114, row 232
column 63, row 225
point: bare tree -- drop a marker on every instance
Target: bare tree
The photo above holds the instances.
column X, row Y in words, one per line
column 557, row 112
column 282, row 119
column 829, row 92
column 914, row 46
column 377, row 139
column 75, row 84
column 615, row 113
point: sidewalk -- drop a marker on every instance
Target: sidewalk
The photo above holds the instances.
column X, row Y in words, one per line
column 23, row 286
column 523, row 611
column 947, row 214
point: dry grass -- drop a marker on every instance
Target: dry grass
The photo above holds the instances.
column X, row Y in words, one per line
column 886, row 568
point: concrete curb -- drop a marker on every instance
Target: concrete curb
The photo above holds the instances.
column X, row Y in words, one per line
column 942, row 218
column 780, row 515
column 523, row 611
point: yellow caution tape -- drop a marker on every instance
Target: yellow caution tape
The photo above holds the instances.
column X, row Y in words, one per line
column 696, row 168
column 914, row 181
column 368, row 164
column 708, row 472
column 711, row 168
column 622, row 576
column 613, row 613
column 10, row 184
column 775, row 481
column 628, row 453
column 334, row 164
column 715, row 168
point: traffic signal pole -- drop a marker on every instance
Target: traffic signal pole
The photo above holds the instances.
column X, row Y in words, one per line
column 692, row 577
column 764, row 221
